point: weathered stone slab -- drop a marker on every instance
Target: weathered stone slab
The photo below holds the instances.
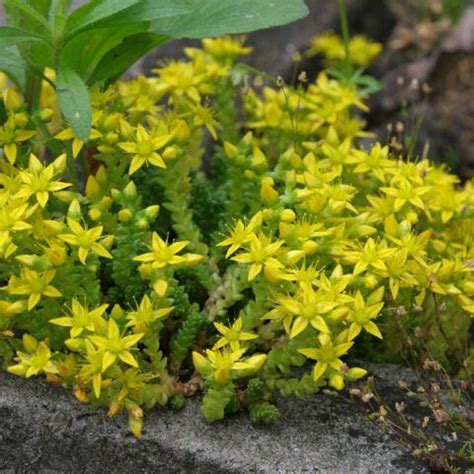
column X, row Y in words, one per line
column 44, row 429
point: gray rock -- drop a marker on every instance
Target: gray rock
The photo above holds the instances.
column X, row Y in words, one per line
column 44, row 429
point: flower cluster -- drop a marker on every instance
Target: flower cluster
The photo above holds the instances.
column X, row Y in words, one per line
column 133, row 277
column 362, row 51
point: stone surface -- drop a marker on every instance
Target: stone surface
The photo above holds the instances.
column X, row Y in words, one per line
column 44, row 429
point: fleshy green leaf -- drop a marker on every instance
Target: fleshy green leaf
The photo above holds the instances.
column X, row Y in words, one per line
column 74, row 101
column 217, row 17
column 119, row 59
column 87, row 16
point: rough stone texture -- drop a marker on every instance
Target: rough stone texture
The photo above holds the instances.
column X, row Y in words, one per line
column 44, row 429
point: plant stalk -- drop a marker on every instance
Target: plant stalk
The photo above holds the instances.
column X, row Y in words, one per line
column 345, row 37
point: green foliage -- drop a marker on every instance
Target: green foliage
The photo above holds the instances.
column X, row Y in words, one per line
column 74, row 101
column 185, row 337
column 219, row 17
column 177, row 402
column 264, row 413
column 136, row 267
column 255, row 389
column 215, row 401
column 455, row 8
column 116, row 34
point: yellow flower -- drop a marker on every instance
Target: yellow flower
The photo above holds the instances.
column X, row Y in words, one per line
column 86, row 239
column 223, row 364
column 327, row 355
column 226, row 48
column 144, row 149
column 38, row 180
column 241, row 234
column 81, row 318
column 115, row 346
column 260, row 253
column 145, row 315
column 92, row 369
column 8, row 309
column 162, row 253
column 10, row 137
column 14, row 216
column 376, row 161
column 77, row 144
column 406, row 192
column 36, row 361
column 372, row 255
column 306, row 308
column 33, row 284
column 204, row 115
column 232, row 336
column 363, row 312
column 7, row 247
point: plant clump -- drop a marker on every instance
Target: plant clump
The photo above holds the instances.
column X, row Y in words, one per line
column 117, row 283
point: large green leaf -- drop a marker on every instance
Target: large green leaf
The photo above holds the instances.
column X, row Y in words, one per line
column 10, row 36
column 74, row 101
column 147, row 10
column 42, row 6
column 217, row 17
column 28, row 14
column 87, row 16
column 84, row 52
column 14, row 66
column 119, row 59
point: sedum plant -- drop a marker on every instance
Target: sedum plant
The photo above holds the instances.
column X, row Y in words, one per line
column 142, row 265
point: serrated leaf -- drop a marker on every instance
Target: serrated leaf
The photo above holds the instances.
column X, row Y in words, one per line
column 74, row 101
column 10, row 36
column 119, row 59
column 87, row 16
column 217, row 17
column 13, row 66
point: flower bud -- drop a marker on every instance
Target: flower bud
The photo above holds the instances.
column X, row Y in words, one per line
column 20, row 120
column 170, row 153
column 124, row 215
column 29, row 343
column 336, row 381
column 267, row 193
column 310, row 247
column 201, row 364
column 111, row 138
column 287, row 215
column 370, row 281
column 112, row 121
column 46, row 115
column 355, row 373
column 142, row 224
column 130, row 190
column 13, row 100
column 181, row 131
column 95, row 214
column 249, row 174
column 267, row 214
column 152, row 211
column 230, row 150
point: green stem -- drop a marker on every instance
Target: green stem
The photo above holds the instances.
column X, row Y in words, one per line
column 72, row 171
column 345, row 37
